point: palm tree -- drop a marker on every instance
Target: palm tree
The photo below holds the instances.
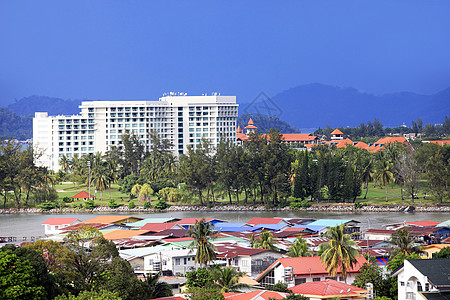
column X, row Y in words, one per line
column 384, row 174
column 202, row 232
column 65, row 163
column 265, row 241
column 157, row 289
column 367, row 175
column 404, row 242
column 299, row 249
column 339, row 253
column 145, row 191
column 100, row 179
column 227, row 279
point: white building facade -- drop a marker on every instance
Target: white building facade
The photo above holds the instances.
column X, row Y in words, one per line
column 181, row 119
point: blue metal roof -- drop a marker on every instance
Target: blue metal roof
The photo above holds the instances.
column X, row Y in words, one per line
column 329, row 222
column 315, row 228
column 268, row 226
column 233, row 229
column 226, row 224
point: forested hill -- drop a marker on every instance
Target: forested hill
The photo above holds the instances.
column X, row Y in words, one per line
column 54, row 106
column 14, row 126
column 314, row 105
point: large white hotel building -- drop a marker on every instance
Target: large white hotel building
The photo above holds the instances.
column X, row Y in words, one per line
column 183, row 120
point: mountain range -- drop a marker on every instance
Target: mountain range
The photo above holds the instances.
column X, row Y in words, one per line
column 305, row 106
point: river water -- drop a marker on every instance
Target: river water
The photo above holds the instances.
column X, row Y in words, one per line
column 30, row 224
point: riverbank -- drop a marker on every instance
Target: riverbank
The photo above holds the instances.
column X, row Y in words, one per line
column 230, row 208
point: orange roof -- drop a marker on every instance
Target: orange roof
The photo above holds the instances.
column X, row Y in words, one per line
column 336, row 131
column 439, row 246
column 109, row 219
column 250, row 127
column 157, row 227
column 248, row 280
column 239, row 130
column 123, row 234
column 258, row 295
column 392, row 139
column 241, row 136
column 309, row 265
column 442, row 143
column 60, row 221
column 327, row 288
column 447, row 240
column 298, row 137
column 250, row 122
column 82, row 195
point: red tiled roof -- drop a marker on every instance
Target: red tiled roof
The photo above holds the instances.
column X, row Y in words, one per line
column 442, row 142
column 256, row 221
column 327, row 287
column 392, row 139
column 59, row 221
column 423, row 223
column 241, row 136
column 336, row 131
column 309, row 265
column 258, row 295
column 239, row 130
column 157, row 227
column 83, row 195
column 380, row 231
column 250, row 127
column 298, row 137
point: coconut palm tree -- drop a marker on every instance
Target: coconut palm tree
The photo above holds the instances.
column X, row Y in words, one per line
column 202, row 232
column 65, row 163
column 404, row 243
column 384, row 174
column 157, row 289
column 99, row 179
column 339, row 253
column 265, row 241
column 227, row 279
column 299, row 249
column 367, row 175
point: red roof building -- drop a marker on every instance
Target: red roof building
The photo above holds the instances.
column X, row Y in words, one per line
column 328, row 289
column 54, row 225
column 257, row 221
column 304, row 269
column 158, row 227
column 423, row 223
column 83, row 195
column 257, row 295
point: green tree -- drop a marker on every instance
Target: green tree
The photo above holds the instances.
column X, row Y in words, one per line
column 265, row 240
column 18, row 280
column 443, row 253
column 202, row 232
column 299, row 249
column 206, row 293
column 384, row 174
column 201, row 278
column 404, row 242
column 145, row 191
column 227, row 279
column 339, row 253
column 372, row 273
column 91, row 295
column 157, row 288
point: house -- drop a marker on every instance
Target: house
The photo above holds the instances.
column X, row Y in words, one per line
column 296, row 270
column 123, row 234
column 256, row 295
column 141, row 223
column 337, row 135
column 179, row 262
column 352, row 226
column 274, row 221
column 54, row 225
column 373, row 244
column 429, row 250
column 422, row 275
column 378, row 234
column 329, row 289
column 158, row 227
column 190, row 222
column 83, row 195
column 251, row 261
column 136, row 256
column 119, row 220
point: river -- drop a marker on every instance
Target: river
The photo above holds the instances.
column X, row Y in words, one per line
column 30, row 224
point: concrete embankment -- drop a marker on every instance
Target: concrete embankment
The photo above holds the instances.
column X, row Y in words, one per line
column 315, row 208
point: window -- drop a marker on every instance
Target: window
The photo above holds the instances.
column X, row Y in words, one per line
column 300, row 280
column 419, row 286
column 177, row 261
column 402, row 283
column 316, row 279
column 185, row 260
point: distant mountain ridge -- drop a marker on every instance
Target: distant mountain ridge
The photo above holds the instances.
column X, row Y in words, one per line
column 54, row 106
column 316, row 105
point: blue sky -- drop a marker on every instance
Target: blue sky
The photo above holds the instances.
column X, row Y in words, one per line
column 140, row 49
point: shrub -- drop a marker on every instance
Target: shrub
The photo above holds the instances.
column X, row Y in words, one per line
column 89, row 204
column 278, row 287
column 295, row 205
column 47, row 206
column 131, row 205
column 161, row 205
column 112, row 204
column 147, row 205
column 67, row 199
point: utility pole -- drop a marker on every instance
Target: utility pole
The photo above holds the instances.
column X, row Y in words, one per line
column 89, row 166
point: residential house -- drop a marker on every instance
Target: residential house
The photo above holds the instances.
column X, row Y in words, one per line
column 255, row 295
column 296, row 270
column 119, row 220
column 422, row 275
column 251, row 261
column 179, row 262
column 258, row 221
column 188, row 223
column 378, row 234
column 54, row 225
column 330, row 289
column 429, row 250
column 351, row 226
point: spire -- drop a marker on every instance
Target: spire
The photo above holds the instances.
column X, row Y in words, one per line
column 239, row 130
column 250, row 122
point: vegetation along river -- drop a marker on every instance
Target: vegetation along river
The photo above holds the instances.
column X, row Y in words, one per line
column 30, row 224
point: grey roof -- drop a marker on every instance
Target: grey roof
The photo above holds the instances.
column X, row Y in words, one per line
column 436, row 295
column 437, row 270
